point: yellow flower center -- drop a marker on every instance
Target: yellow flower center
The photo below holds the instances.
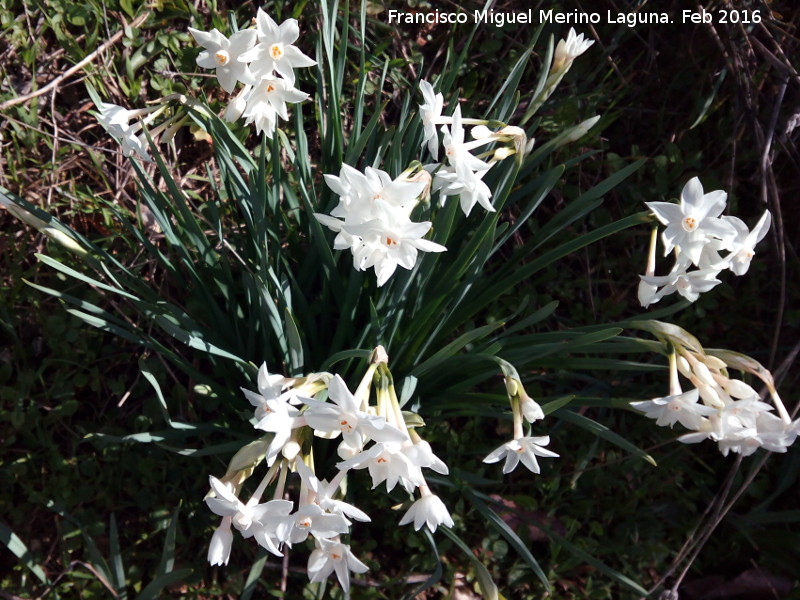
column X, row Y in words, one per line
column 390, row 241
column 276, row 51
column 270, row 88
column 222, row 58
column 689, row 224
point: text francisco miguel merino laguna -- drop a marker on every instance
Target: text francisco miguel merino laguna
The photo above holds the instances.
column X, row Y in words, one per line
column 499, row 19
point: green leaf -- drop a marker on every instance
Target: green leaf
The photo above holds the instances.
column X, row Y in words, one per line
column 488, row 587
column 508, row 533
column 20, row 550
column 604, row 432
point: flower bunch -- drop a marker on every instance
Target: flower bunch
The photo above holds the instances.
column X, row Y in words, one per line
column 696, row 231
column 718, row 407
column 373, row 437
column 263, row 60
column 373, row 219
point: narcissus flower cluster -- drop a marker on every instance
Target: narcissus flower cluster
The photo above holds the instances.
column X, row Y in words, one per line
column 726, row 410
column 374, row 437
column 696, row 232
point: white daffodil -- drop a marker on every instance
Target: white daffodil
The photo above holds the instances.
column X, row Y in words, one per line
column 387, row 462
column 567, row 50
column 428, row 510
column 223, row 55
column 267, row 101
column 430, row 112
column 322, row 493
column 116, row 120
column 275, row 51
column 312, row 519
column 466, row 184
column 680, row 408
column 457, row 151
column 689, row 284
column 270, row 387
column 390, row 241
column 264, row 521
column 690, row 222
column 421, row 455
column 344, row 416
column 523, row 449
column 744, row 242
column 281, row 420
column 330, row 556
column 219, row 550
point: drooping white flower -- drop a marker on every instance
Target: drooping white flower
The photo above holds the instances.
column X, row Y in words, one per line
column 744, row 242
column 693, row 220
column 223, row 54
column 330, row 556
column 116, row 120
column 430, row 111
column 523, row 449
column 680, row 408
column 219, row 550
column 689, row 284
column 428, row 510
column 275, row 51
column 421, row 454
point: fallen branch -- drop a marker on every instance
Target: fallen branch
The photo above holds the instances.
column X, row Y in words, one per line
column 75, row 68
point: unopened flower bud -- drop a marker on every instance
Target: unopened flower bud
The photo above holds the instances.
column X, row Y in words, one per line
column 480, row 132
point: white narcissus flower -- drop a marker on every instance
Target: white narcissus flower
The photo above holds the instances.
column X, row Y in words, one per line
column 421, row 454
column 312, row 519
column 466, row 184
column 223, row 55
column 116, row 120
column 275, row 50
column 744, row 242
column 344, row 415
column 523, row 449
column 387, row 462
column 458, row 152
column 567, row 50
column 689, row 284
column 428, row 510
column 690, row 222
column 322, row 493
column 680, row 408
column 219, row 550
column 267, row 101
column 389, row 241
column 267, row 521
column 330, row 556
column 430, row 112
